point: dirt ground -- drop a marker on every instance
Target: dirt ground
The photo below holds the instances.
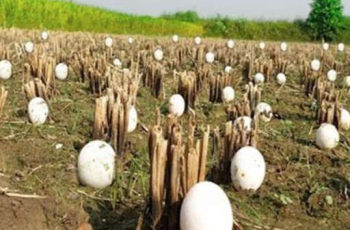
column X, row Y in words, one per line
column 304, row 188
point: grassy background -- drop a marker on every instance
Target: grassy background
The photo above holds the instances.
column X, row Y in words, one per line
column 63, row 15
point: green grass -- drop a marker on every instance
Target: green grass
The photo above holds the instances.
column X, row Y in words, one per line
column 60, row 15
column 68, row 16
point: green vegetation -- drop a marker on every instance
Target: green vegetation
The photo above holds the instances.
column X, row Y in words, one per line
column 63, row 15
column 326, row 19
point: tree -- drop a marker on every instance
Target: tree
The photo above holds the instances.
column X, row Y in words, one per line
column 326, row 19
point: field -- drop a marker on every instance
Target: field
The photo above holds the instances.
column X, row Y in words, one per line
column 304, row 187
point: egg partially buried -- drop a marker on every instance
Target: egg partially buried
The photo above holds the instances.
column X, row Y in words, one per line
column 38, row 111
column 197, row 40
column 228, row 94
column 259, row 78
column 315, row 65
column 281, row 78
column 344, row 119
column 61, row 71
column 132, row 122
column 29, row 47
column 176, row 105
column 117, row 63
column 327, row 136
column 158, row 54
column 109, row 42
column 210, row 57
column 230, row 44
column 206, row 207
column 96, row 164
column 175, row 38
column 248, row 169
column 44, row 35
column 265, row 111
column 5, row 69
column 244, row 122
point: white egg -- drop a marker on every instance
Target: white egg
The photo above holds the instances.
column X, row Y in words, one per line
column 230, row 44
column 29, row 47
column 158, row 54
column 262, row 45
column 126, row 71
column 38, row 111
column 210, row 57
column 228, row 69
column 247, row 123
column 109, row 42
column 206, row 207
column 117, row 62
column 44, row 35
column 284, row 46
column 315, row 65
column 327, row 136
column 5, row 69
column 347, row 81
column 132, row 120
column 344, row 119
column 248, row 169
column 281, row 78
column 176, row 105
column 61, row 71
column 259, row 78
column 197, row 40
column 130, row 40
column 175, row 38
column 228, row 94
column 341, row 47
column 332, row 75
column 265, row 111
column 325, row 46
column 96, row 164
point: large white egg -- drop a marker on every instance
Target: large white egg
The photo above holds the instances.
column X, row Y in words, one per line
column 265, row 111
column 158, row 54
column 315, row 65
column 61, row 71
column 228, row 69
column 176, row 105
column 228, row 94
column 332, row 75
column 344, row 119
column 130, row 40
column 230, row 44
column 5, row 69
column 29, row 47
column 132, row 120
column 281, row 78
column 248, row 169
column 327, row 136
column 284, row 46
column 44, row 35
column 247, row 123
column 197, row 40
column 206, row 207
column 175, row 38
column 96, row 164
column 117, row 62
column 325, row 46
column 210, row 57
column 109, row 42
column 347, row 81
column 341, row 47
column 259, row 78
column 38, row 111
column 262, row 45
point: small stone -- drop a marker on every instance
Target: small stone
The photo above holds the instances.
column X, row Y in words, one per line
column 59, row 146
column 329, row 200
